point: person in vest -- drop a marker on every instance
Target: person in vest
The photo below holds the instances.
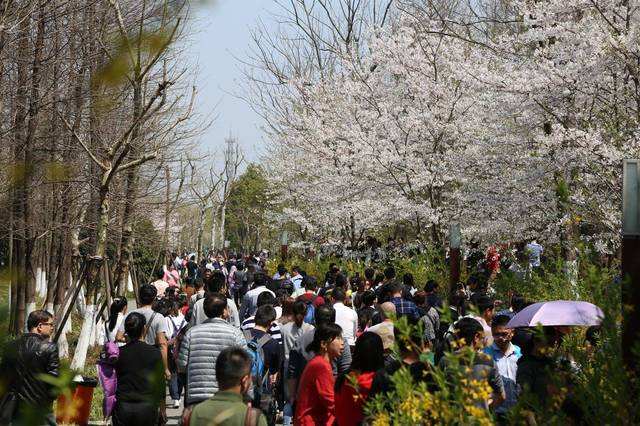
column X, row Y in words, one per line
column 226, row 407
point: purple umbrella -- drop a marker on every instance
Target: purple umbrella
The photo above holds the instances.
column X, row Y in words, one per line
column 558, row 312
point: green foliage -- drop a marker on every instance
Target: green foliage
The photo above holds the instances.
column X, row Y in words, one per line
column 598, row 386
column 249, row 205
column 593, row 284
column 424, row 266
column 446, row 395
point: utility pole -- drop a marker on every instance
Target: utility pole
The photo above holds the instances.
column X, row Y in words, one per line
column 630, row 261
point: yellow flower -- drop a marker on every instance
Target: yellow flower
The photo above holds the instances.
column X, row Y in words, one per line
column 382, row 419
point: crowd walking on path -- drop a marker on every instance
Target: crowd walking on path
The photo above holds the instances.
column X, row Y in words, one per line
column 238, row 346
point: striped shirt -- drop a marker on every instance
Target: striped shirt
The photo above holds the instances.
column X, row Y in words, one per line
column 274, row 330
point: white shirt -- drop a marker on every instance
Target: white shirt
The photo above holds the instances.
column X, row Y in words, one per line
column 174, row 324
column 254, row 293
column 111, row 335
column 347, row 319
column 297, row 282
column 158, row 325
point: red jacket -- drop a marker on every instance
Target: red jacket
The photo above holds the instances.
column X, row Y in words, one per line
column 315, row 404
column 349, row 402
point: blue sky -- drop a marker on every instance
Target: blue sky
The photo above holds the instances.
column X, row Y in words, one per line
column 220, row 34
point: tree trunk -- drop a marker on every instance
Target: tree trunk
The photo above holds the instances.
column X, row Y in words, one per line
column 223, row 216
column 93, row 270
column 21, row 182
column 214, row 228
column 167, row 214
column 34, row 109
column 126, row 242
column 200, row 231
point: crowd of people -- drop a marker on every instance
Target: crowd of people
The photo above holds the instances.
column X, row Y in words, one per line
column 238, row 344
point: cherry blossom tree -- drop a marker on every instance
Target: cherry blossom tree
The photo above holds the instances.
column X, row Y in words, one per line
column 511, row 121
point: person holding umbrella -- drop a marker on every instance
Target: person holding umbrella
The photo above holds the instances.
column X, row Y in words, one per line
column 541, row 372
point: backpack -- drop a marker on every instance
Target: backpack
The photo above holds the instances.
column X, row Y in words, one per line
column 309, row 317
column 110, row 351
column 258, row 374
column 173, row 345
column 107, row 373
column 177, row 342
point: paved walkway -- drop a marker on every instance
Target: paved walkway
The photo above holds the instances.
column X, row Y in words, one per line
column 173, row 414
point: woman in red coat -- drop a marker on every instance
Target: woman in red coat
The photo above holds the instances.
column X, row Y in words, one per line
column 315, row 404
column 368, row 357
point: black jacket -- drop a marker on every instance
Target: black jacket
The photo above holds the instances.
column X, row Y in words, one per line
column 30, row 356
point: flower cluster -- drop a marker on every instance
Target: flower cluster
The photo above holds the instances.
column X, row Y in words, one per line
column 512, row 128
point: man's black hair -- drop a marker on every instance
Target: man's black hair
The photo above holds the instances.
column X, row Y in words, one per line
column 163, row 306
column 431, row 286
column 368, row 298
column 467, row 328
column 407, row 280
column 500, row 321
column 160, row 273
column 483, row 302
column 338, row 294
column 299, row 307
column 36, row 318
column 518, row 303
column 147, row 294
column 295, row 269
column 324, row 314
column 217, row 282
column 330, row 278
column 259, row 279
column 265, row 315
column 232, row 364
column 389, row 272
column 214, row 305
column 420, row 298
column 369, row 273
column 310, row 283
column 265, row 298
column 134, row 325
column 341, row 280
column 393, row 287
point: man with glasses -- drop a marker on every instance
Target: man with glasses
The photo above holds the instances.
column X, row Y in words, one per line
column 505, row 355
column 26, row 361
